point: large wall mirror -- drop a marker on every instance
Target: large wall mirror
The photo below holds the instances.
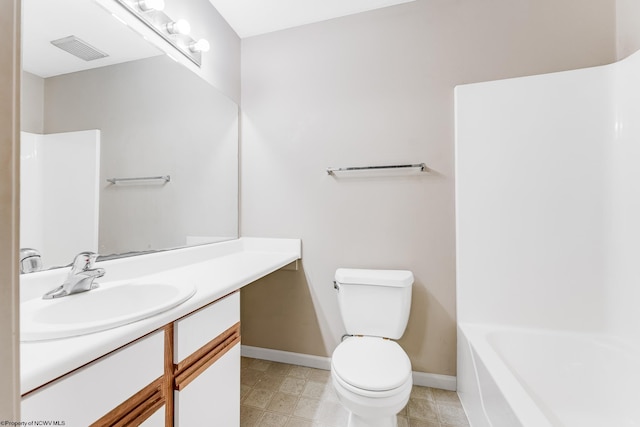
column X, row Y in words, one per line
column 125, row 154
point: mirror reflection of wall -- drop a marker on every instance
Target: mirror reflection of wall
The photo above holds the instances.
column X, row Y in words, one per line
column 154, row 117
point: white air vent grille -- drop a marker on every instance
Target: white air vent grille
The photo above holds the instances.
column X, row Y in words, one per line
column 79, row 48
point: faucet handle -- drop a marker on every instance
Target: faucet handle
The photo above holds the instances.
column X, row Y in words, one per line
column 83, row 261
column 30, row 260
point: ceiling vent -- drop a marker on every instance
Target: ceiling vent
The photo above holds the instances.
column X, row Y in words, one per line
column 79, row 48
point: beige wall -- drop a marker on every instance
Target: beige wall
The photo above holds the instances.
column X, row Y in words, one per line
column 377, row 88
column 9, row 226
column 628, row 17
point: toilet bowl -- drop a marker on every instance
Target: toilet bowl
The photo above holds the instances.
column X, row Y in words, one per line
column 371, row 373
column 372, row 378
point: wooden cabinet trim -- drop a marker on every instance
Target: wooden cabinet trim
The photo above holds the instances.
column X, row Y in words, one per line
column 137, row 408
column 168, row 375
column 193, row 365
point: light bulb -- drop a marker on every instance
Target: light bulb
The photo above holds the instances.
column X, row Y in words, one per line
column 180, row 26
column 200, row 46
column 147, row 5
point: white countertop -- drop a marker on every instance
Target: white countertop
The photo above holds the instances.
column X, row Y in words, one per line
column 216, row 270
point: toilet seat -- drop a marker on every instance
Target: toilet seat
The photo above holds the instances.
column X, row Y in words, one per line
column 371, row 366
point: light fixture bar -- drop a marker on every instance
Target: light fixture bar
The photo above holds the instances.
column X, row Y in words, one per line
column 160, row 23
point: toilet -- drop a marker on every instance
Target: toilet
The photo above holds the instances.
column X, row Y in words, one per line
column 371, row 373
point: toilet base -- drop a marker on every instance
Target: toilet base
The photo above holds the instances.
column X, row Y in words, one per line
column 357, row 421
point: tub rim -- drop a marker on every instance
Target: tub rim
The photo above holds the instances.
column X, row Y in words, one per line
column 526, row 410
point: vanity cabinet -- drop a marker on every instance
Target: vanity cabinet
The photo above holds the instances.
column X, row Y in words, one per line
column 184, row 374
column 207, row 365
column 135, row 372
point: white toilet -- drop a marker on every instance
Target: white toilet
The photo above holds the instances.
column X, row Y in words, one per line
column 371, row 373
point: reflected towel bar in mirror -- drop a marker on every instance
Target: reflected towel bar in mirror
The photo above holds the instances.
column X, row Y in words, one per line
column 163, row 179
column 421, row 166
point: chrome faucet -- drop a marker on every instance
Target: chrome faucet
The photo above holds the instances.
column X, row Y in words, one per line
column 80, row 278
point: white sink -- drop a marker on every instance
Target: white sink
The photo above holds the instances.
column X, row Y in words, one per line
column 106, row 307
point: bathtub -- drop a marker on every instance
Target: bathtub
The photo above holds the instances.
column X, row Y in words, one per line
column 517, row 377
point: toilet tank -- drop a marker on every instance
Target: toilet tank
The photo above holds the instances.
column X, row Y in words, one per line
column 374, row 302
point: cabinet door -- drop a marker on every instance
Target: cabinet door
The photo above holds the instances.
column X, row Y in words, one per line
column 213, row 397
column 201, row 327
column 207, row 365
column 85, row 395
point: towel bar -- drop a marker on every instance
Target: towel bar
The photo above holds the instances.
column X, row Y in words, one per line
column 163, row 178
column 421, row 166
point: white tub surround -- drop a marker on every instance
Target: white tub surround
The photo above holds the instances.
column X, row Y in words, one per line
column 548, row 225
column 216, row 270
column 47, row 201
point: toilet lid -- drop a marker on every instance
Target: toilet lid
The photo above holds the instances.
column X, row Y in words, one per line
column 371, row 363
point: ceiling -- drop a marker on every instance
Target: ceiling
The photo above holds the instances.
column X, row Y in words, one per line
column 252, row 17
column 47, row 20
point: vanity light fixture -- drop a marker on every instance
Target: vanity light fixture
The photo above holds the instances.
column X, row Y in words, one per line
column 148, row 5
column 174, row 32
column 181, row 26
column 200, row 46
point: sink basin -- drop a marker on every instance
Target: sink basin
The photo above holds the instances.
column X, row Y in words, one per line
column 106, row 307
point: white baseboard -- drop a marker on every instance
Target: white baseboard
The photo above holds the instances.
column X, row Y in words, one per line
column 311, row 361
column 444, row 382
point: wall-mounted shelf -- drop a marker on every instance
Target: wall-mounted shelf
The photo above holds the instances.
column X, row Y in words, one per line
column 421, row 166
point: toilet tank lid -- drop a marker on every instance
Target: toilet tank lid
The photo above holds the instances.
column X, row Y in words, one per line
column 356, row 276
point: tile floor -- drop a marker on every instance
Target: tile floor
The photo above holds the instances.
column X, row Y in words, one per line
column 280, row 395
